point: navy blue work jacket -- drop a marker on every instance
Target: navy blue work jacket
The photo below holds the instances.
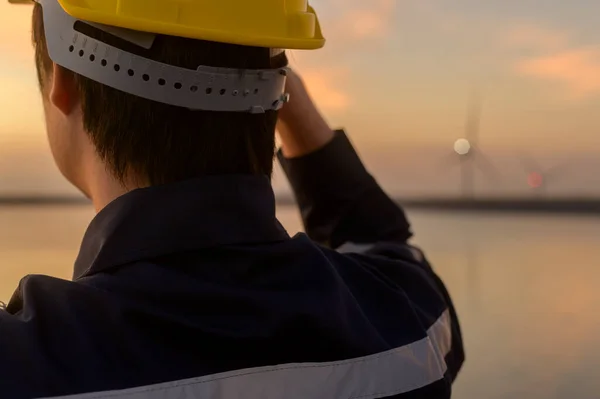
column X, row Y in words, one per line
column 195, row 290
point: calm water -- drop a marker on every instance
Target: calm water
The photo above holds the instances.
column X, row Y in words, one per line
column 526, row 288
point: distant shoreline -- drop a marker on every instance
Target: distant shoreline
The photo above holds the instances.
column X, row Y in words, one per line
column 33, row 200
column 526, row 205
column 576, row 206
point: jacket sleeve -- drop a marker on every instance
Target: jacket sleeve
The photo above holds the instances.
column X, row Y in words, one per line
column 344, row 208
column 340, row 201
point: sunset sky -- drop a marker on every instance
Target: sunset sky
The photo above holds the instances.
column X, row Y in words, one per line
column 397, row 74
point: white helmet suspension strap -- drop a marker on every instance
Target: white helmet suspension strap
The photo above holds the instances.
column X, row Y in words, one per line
column 206, row 88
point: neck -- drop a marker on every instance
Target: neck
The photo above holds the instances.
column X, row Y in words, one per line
column 103, row 188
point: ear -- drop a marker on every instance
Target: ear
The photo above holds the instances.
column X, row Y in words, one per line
column 63, row 91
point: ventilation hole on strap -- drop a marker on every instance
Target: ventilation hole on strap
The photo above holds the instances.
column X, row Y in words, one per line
column 81, row 53
column 71, row 49
column 146, row 77
column 92, row 57
column 177, row 86
column 162, row 82
column 208, row 90
column 255, row 91
column 130, row 72
column 222, row 92
column 104, row 63
column 117, row 67
column 235, row 92
column 246, row 92
column 194, row 89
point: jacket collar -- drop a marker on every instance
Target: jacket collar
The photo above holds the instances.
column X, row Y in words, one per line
column 189, row 215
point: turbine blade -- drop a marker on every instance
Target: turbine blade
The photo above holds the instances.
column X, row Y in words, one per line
column 529, row 164
column 473, row 122
column 558, row 169
column 449, row 160
column 486, row 167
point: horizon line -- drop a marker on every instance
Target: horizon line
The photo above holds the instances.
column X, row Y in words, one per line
column 67, row 199
column 530, row 205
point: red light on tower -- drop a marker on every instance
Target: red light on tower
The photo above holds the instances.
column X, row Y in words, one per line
column 535, row 180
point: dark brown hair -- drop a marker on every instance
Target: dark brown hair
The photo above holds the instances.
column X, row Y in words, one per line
column 161, row 143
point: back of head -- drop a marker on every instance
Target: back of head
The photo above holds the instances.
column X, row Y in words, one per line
column 162, row 143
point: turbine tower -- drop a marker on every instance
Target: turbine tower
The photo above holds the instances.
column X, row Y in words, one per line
column 468, row 152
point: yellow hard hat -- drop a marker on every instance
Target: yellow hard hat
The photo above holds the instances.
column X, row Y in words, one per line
column 275, row 24
column 286, row 24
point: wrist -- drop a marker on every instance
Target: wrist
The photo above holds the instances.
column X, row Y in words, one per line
column 304, row 134
column 302, row 129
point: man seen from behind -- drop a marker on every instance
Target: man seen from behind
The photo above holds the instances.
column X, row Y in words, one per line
column 164, row 114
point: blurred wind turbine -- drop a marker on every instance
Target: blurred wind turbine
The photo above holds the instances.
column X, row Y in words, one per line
column 469, row 154
column 539, row 177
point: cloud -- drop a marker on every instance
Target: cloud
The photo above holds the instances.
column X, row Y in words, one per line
column 369, row 20
column 325, row 87
column 355, row 22
column 577, row 69
column 554, row 57
column 326, row 83
column 536, row 38
column 349, row 26
column 15, row 32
